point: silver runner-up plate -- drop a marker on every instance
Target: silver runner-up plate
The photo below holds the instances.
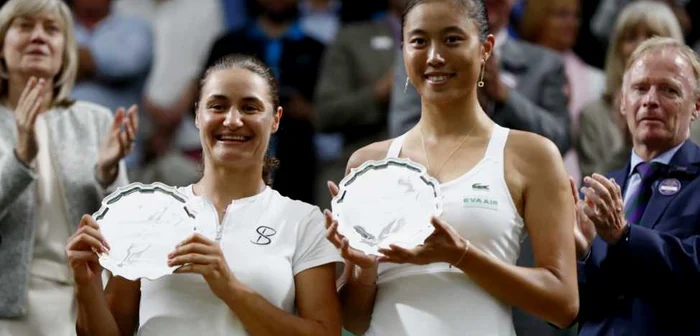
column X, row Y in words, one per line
column 143, row 224
column 386, row 202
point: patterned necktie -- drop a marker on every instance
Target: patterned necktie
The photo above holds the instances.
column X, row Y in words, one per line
column 640, row 197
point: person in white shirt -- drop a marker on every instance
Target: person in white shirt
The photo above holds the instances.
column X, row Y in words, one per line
column 270, row 270
column 497, row 184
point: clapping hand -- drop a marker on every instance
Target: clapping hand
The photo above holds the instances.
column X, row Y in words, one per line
column 119, row 142
column 29, row 106
column 584, row 230
column 603, row 206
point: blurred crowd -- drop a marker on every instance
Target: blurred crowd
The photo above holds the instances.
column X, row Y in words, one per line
column 341, row 75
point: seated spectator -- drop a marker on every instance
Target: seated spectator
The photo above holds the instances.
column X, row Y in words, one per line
column 554, row 24
column 180, row 53
column 115, row 53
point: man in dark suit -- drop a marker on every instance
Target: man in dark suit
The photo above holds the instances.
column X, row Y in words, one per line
column 645, row 261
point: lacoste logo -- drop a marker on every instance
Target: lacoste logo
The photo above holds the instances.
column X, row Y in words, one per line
column 480, row 186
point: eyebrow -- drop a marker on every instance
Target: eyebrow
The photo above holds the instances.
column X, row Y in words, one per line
column 217, row 97
column 252, row 99
column 450, row 29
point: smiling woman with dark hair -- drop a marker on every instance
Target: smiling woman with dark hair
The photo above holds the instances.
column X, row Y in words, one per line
column 269, row 272
column 463, row 279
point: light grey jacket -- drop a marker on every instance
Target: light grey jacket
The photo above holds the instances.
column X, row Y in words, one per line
column 75, row 135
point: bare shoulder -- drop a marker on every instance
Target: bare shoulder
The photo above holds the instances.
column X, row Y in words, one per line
column 373, row 151
column 533, row 155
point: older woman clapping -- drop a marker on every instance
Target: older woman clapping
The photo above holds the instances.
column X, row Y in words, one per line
column 57, row 158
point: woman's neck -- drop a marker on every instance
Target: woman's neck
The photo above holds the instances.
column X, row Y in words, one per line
column 17, row 83
column 223, row 185
column 453, row 119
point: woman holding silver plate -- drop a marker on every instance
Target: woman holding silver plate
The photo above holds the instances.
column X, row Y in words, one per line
column 497, row 186
column 268, row 270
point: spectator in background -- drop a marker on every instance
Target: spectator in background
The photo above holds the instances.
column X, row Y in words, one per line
column 236, row 13
column 554, row 24
column 57, row 159
column 320, row 19
column 603, row 21
column 181, row 50
column 354, row 90
column 525, row 89
column 603, row 144
column 115, row 53
column 275, row 36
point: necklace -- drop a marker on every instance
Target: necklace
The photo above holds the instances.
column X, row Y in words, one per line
column 425, row 152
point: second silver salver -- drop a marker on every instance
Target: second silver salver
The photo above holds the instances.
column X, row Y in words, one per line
column 385, row 202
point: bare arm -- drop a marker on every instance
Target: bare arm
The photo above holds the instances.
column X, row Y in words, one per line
column 357, row 293
column 357, row 285
column 111, row 312
column 549, row 290
column 315, row 290
column 316, row 301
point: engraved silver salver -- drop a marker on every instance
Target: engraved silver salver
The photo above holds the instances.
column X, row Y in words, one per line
column 384, row 202
column 143, row 224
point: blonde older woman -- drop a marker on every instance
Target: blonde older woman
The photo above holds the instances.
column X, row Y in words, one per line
column 57, row 157
column 603, row 143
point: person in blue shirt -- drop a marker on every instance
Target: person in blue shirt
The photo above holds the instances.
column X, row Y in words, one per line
column 115, row 55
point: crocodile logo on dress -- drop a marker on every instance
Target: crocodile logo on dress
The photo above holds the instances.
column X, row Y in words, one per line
column 480, row 186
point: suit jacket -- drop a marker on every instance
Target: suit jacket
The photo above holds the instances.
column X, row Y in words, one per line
column 637, row 286
column 538, row 103
column 344, row 103
column 76, row 134
column 360, row 56
column 601, row 147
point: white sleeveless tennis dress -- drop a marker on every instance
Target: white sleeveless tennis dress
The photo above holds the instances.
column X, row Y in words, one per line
column 436, row 299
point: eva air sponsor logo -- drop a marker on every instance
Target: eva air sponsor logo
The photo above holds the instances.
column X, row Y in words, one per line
column 480, row 202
